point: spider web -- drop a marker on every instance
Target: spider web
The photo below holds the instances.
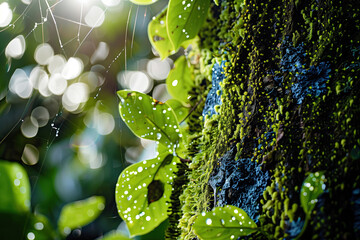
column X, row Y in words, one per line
column 68, row 28
column 73, row 29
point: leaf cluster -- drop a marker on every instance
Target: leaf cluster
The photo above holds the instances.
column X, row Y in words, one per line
column 20, row 222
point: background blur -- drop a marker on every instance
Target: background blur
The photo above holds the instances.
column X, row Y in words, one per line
column 61, row 63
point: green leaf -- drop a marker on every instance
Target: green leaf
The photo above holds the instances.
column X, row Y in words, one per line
column 25, row 226
column 184, row 19
column 227, row 222
column 179, row 109
column 179, row 80
column 80, row 213
column 216, row 2
column 114, row 235
column 143, row 191
column 158, row 36
column 148, row 118
column 312, row 188
column 143, row 2
column 15, row 187
column 40, row 227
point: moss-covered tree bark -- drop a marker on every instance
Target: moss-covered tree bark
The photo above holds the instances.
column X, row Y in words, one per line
column 277, row 98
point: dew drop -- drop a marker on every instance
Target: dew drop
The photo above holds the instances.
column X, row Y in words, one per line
column 39, row 226
column 208, row 221
column 30, row 236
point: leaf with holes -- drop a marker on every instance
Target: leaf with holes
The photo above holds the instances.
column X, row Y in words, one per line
column 143, row 2
column 148, row 118
column 179, row 80
column 15, row 187
column 80, row 213
column 158, row 35
column 143, row 191
column 312, row 188
column 179, row 109
column 184, row 19
column 227, row 222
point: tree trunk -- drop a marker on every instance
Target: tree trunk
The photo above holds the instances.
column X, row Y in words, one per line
column 289, row 107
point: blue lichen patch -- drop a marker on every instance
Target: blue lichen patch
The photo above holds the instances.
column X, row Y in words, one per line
column 307, row 81
column 311, row 82
column 294, row 228
column 240, row 183
column 214, row 96
column 355, row 200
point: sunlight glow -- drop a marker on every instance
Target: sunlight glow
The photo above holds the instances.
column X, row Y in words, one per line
column 110, row 3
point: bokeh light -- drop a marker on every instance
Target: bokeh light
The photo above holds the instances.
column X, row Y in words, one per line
column 36, row 77
column 29, row 127
column 30, row 155
column 135, row 80
column 20, row 84
column 27, row 2
column 101, row 53
column 160, row 93
column 105, row 123
column 57, row 84
column 90, row 156
column 56, row 64
column 41, row 114
column 16, row 47
column 102, row 122
column 74, row 95
column 92, row 79
column 158, row 69
column 43, row 54
column 73, row 68
column 5, row 14
column 65, row 85
column 95, row 17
